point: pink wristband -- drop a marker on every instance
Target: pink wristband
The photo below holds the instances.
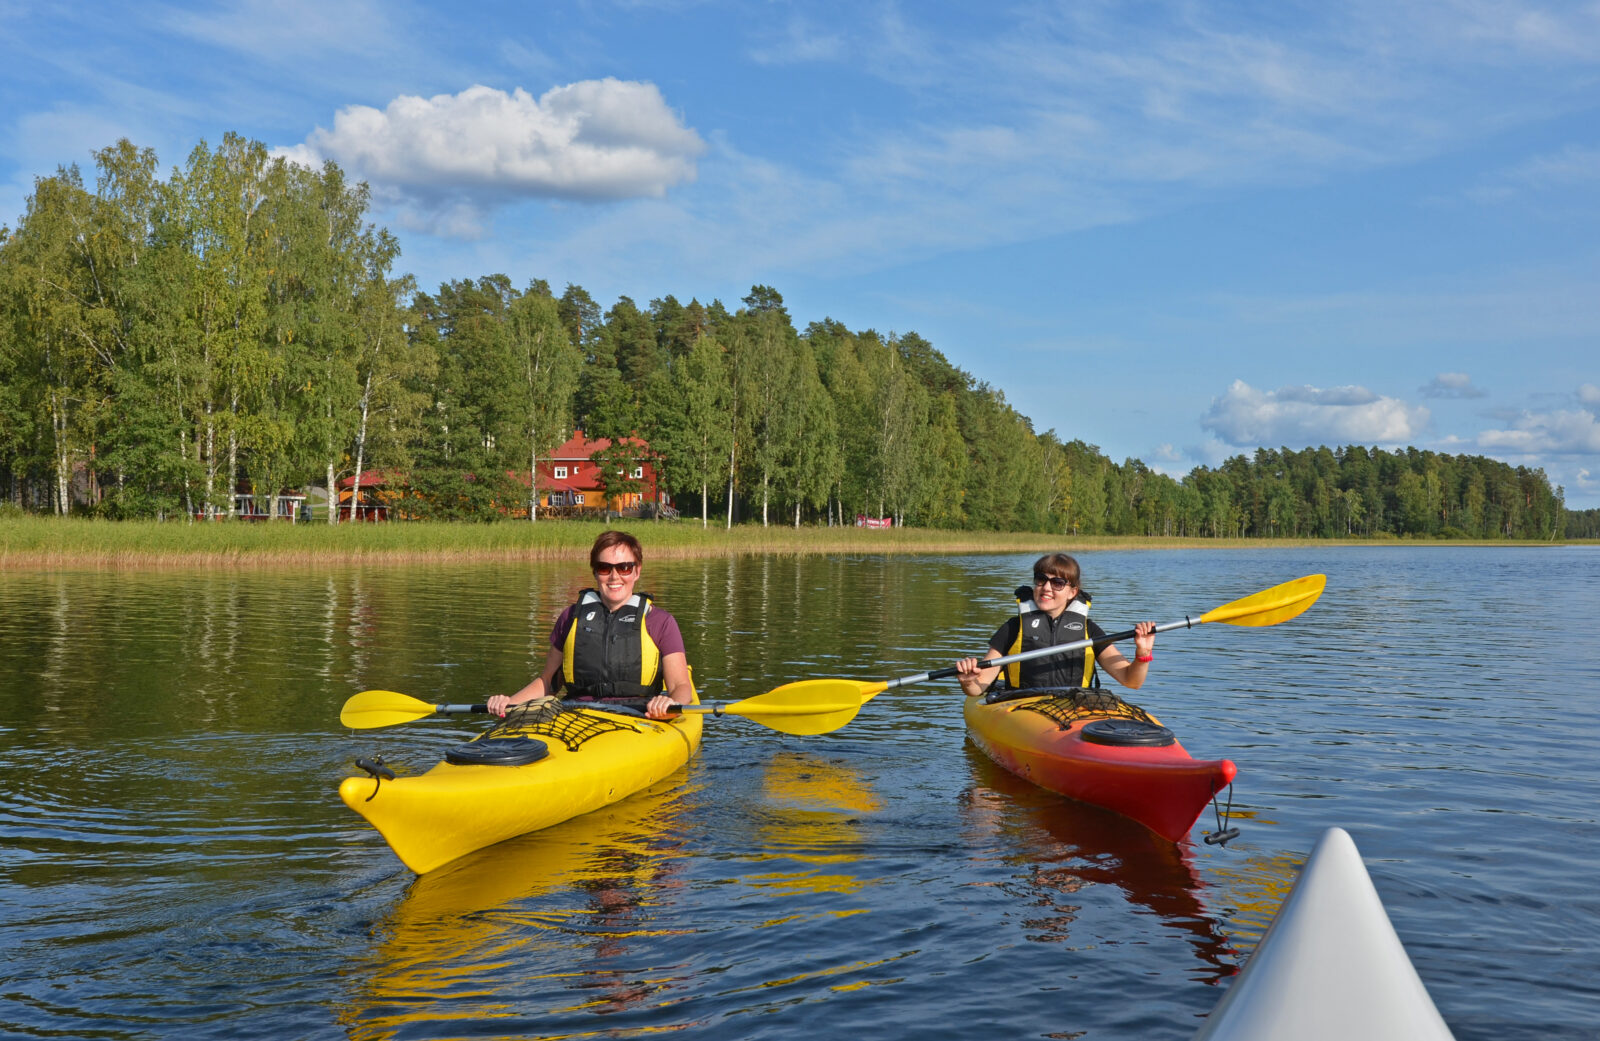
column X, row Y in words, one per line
column 1144, row 658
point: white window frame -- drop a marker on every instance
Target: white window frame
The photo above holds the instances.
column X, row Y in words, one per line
column 561, row 473
column 638, row 473
column 577, row 498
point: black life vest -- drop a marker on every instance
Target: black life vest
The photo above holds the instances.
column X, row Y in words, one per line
column 609, row 654
column 1035, row 628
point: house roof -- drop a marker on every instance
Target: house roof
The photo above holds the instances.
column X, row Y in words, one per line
column 581, row 448
column 371, row 478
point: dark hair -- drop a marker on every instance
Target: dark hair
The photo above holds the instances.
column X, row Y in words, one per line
column 1058, row 565
column 609, row 539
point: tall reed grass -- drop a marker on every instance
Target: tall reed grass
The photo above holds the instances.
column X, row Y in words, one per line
column 50, row 542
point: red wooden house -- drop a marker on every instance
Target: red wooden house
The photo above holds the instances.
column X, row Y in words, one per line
column 569, row 478
column 373, row 501
column 568, row 482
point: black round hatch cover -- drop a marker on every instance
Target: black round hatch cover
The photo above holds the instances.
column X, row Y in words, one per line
column 1130, row 732
column 498, row 751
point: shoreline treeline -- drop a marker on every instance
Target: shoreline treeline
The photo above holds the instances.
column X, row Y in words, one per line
column 239, row 324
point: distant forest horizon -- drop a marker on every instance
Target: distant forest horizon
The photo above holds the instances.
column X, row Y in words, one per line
column 163, row 342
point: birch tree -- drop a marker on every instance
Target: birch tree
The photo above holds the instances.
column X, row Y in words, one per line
column 701, row 440
column 549, row 366
column 773, row 420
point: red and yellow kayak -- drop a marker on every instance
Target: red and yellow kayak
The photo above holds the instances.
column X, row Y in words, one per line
column 1092, row 747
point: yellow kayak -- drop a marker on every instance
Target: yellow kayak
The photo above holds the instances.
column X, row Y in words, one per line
column 540, row 766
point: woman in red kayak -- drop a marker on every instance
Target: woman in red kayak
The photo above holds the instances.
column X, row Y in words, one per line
column 1055, row 611
column 613, row 644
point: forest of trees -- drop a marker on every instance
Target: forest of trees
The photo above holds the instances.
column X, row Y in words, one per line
column 1583, row 524
column 240, row 324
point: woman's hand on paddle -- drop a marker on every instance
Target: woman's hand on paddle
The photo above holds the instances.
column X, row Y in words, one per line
column 1144, row 640
column 660, row 707
column 498, row 704
column 969, row 672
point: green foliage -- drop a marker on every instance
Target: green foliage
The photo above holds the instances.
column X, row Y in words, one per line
column 170, row 340
column 688, row 427
column 1583, row 524
column 447, row 493
column 614, row 469
column 163, row 343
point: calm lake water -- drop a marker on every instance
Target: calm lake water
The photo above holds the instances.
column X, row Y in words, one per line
column 174, row 862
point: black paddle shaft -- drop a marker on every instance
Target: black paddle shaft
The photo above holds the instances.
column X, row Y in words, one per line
column 1042, row 652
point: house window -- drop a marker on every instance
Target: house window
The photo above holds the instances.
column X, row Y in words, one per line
column 638, row 473
column 577, row 498
column 561, row 472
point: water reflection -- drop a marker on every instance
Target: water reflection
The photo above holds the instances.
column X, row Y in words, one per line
column 468, row 939
column 173, row 861
column 811, row 813
column 1256, row 884
column 1067, row 847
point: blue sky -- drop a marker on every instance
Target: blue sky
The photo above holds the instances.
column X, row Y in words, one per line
column 1175, row 230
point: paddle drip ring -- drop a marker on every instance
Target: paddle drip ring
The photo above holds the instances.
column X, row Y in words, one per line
column 1223, row 835
column 378, row 771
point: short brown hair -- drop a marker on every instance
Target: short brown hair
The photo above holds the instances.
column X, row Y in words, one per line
column 609, row 539
column 1058, row 565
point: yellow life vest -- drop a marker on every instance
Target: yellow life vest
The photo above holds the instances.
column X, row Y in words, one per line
column 609, row 654
column 1036, row 629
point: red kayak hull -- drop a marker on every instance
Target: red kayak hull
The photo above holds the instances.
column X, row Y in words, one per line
column 1163, row 788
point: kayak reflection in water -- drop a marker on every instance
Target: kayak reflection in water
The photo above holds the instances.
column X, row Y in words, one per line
column 1055, row 611
column 613, row 644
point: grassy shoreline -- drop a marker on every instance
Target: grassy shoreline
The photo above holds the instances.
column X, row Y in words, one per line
column 51, row 543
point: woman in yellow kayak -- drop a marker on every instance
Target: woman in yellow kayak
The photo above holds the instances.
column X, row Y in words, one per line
column 613, row 643
column 1056, row 611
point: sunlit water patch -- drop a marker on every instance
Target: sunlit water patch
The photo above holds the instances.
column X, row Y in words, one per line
column 174, row 862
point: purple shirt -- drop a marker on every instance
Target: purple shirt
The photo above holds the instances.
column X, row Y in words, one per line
column 662, row 627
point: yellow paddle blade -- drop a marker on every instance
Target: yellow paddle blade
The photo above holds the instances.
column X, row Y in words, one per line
column 382, row 708
column 804, row 725
column 805, row 707
column 816, row 692
column 1270, row 606
column 872, row 690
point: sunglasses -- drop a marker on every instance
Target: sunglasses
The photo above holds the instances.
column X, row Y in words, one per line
column 1052, row 581
column 625, row 568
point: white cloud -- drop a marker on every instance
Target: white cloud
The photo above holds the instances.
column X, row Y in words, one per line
column 66, row 134
column 1564, row 432
column 1589, row 394
column 800, row 42
column 1167, row 459
column 1063, row 119
column 457, row 155
column 1331, row 397
column 1213, row 452
column 1574, row 168
column 1057, row 120
column 1247, row 417
column 1545, row 34
column 281, row 30
column 1451, row 385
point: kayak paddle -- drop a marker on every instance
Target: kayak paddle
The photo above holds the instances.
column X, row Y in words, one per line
column 1268, row 607
column 797, row 708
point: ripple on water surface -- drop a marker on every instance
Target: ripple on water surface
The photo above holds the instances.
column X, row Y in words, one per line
column 176, row 863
